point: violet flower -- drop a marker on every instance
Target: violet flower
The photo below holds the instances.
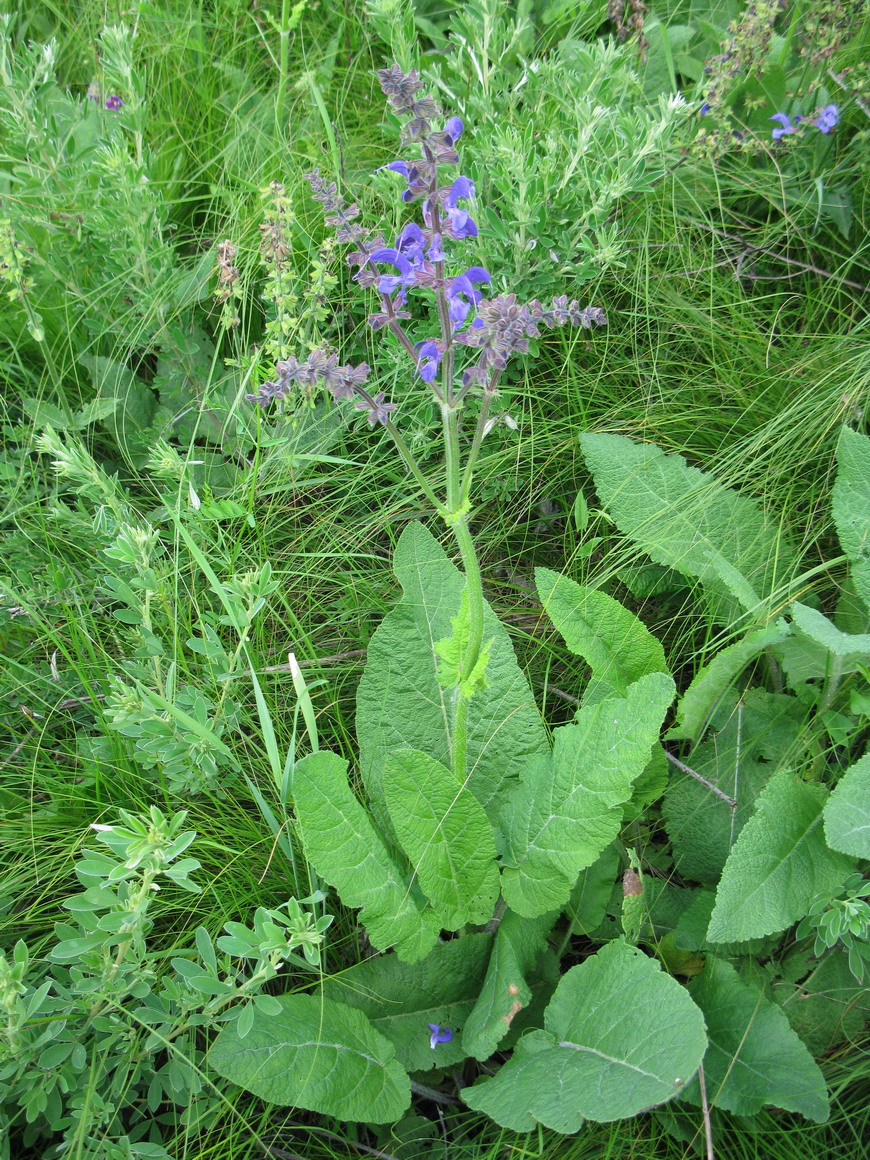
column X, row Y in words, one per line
column 785, row 123
column 429, row 354
column 462, row 295
column 827, row 119
column 113, row 103
column 438, row 1035
column 454, row 129
column 461, row 224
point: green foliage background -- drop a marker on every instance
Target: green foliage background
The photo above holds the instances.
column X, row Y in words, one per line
column 149, row 666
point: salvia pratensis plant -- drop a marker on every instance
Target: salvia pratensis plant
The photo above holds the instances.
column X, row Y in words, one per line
column 486, row 846
column 493, row 329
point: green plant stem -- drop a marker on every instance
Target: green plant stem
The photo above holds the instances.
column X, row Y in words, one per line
column 450, row 428
column 479, row 433
column 411, row 463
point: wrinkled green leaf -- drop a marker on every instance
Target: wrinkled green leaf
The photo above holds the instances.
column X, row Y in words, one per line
column 778, row 864
column 401, row 1000
column 847, row 811
column 400, row 703
column 828, row 1005
column 714, row 680
column 566, row 809
column 317, row 1054
column 755, row 1059
column 446, row 835
column 851, row 505
column 614, row 643
column 592, row 892
column 345, row 849
column 850, row 649
column 755, row 735
column 505, row 992
column 685, row 519
column 450, row 653
column 590, row 1062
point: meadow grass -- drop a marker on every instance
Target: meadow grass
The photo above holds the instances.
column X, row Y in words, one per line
column 737, row 337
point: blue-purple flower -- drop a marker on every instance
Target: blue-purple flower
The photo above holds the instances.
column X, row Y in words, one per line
column 461, row 224
column 429, row 356
column 461, row 293
column 827, row 119
column 113, row 103
column 785, row 125
column 439, row 1034
column 406, row 256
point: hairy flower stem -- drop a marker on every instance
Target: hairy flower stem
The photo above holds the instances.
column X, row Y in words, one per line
column 479, row 432
column 411, row 463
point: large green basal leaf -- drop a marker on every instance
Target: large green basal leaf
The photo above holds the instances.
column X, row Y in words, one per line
column 567, row 808
column 828, row 1005
column 614, row 643
column 319, row 1055
column 592, row 892
column 620, row 1036
column 446, row 835
column 754, row 737
column 684, row 518
column 778, row 864
column 400, row 703
column 851, row 506
column 401, row 1001
column 345, row 849
column 847, row 811
column 715, row 679
column 754, row 1058
column 505, row 991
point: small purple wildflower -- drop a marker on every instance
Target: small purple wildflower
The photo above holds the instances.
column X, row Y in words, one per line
column 429, row 354
column 94, row 93
column 438, row 1036
column 454, row 129
column 460, row 223
column 785, row 125
column 705, row 109
column 113, row 103
column 462, row 295
column 827, row 119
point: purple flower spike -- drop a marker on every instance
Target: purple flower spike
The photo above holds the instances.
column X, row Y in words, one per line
column 435, row 253
column 827, row 119
column 785, row 123
column 114, row 103
column 94, row 94
column 438, row 1035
